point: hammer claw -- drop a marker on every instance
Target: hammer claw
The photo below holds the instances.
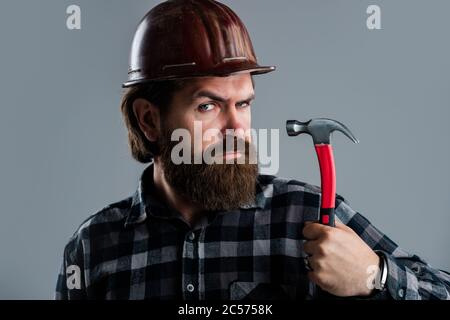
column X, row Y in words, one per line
column 319, row 129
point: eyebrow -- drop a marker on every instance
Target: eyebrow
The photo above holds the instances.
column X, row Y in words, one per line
column 213, row 96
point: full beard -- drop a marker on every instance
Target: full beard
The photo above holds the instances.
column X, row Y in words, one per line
column 212, row 187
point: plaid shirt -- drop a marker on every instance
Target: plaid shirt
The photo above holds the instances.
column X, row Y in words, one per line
column 139, row 248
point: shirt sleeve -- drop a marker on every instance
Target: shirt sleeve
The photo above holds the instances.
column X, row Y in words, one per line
column 409, row 277
column 70, row 284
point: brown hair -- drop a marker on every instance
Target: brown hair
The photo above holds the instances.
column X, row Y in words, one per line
column 160, row 94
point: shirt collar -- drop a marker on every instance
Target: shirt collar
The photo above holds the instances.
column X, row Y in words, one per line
column 145, row 201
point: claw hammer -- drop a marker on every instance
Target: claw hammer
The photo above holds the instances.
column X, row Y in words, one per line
column 320, row 130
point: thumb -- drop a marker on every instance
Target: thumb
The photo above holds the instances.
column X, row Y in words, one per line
column 313, row 229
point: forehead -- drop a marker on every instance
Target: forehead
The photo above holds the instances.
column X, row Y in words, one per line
column 234, row 86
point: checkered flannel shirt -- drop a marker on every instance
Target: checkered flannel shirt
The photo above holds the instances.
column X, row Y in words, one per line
column 139, row 248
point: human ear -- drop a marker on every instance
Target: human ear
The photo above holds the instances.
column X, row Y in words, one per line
column 148, row 118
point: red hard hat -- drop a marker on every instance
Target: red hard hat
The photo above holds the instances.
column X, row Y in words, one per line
column 189, row 38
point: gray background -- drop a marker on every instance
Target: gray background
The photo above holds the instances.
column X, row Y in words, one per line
column 64, row 151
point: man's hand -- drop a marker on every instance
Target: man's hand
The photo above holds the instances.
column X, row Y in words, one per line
column 339, row 258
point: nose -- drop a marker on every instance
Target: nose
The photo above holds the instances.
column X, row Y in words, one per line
column 233, row 120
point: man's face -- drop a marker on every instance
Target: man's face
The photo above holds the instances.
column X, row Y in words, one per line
column 219, row 104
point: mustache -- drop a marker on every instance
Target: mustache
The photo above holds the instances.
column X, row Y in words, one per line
column 229, row 144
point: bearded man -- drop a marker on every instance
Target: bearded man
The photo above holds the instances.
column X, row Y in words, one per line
column 197, row 230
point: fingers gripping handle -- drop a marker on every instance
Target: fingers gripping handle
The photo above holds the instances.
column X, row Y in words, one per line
column 328, row 183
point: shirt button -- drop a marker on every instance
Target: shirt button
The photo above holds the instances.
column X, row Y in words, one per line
column 416, row 269
column 190, row 287
column 191, row 236
column 401, row 292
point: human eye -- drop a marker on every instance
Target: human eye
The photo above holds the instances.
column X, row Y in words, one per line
column 244, row 105
column 206, row 107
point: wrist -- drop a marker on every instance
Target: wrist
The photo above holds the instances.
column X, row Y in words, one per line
column 378, row 267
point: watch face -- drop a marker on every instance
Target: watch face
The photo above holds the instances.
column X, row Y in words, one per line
column 383, row 272
column 381, row 276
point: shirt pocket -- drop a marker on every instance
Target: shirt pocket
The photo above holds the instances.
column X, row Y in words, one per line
column 245, row 290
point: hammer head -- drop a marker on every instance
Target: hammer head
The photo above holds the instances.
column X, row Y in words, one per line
column 319, row 129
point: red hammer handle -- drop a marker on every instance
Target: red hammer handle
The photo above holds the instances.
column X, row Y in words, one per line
column 328, row 183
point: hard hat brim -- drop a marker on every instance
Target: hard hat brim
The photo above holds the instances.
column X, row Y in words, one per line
column 219, row 73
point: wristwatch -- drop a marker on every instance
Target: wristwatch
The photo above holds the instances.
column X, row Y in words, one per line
column 380, row 281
